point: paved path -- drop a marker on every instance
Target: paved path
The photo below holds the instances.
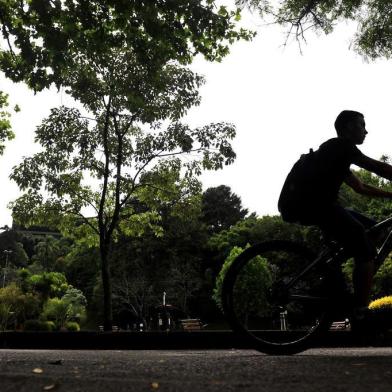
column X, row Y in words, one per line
column 332, row 370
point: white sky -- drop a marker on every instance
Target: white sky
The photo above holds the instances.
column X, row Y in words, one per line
column 282, row 103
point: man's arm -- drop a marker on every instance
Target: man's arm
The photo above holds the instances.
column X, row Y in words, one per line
column 382, row 169
column 358, row 186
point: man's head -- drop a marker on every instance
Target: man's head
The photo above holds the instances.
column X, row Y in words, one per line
column 351, row 125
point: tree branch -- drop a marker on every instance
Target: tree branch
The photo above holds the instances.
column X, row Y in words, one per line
column 6, row 35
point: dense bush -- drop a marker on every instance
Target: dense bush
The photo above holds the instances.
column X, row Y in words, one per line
column 76, row 302
column 72, row 326
column 9, row 305
column 38, row 325
column 382, row 303
column 56, row 310
column 253, row 283
column 16, row 307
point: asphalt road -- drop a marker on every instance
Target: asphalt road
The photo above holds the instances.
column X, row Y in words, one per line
column 332, row 370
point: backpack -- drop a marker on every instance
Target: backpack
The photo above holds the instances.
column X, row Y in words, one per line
column 297, row 189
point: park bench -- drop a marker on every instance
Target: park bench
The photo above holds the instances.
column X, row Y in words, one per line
column 339, row 325
column 191, row 324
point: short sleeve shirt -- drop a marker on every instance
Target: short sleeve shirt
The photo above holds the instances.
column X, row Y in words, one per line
column 334, row 158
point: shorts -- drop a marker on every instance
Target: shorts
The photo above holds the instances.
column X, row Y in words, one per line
column 348, row 228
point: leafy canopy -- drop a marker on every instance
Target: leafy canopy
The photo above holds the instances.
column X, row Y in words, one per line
column 5, row 124
column 374, row 18
column 43, row 39
column 122, row 152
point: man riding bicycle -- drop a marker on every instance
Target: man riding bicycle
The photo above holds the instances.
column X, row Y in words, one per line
column 310, row 196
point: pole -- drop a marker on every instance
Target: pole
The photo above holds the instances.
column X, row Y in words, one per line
column 7, row 252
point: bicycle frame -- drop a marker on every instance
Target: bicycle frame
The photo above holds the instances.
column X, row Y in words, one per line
column 386, row 247
column 326, row 257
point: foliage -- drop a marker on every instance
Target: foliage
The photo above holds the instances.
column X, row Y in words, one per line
column 39, row 325
column 82, row 268
column 56, row 310
column 48, row 284
column 221, row 208
column 72, row 326
column 16, row 307
column 377, row 208
column 5, row 124
column 5, row 315
column 252, row 284
column 48, row 252
column 381, row 303
column 44, row 40
column 373, row 37
column 76, row 302
column 172, row 262
column 383, row 279
column 130, row 164
column 184, row 281
column 252, row 230
column 11, row 241
column 71, row 306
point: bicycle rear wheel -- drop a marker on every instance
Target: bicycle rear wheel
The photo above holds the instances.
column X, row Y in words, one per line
column 262, row 300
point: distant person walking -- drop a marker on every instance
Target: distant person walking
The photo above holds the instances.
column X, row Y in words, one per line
column 310, row 197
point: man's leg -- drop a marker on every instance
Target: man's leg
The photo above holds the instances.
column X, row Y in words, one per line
column 362, row 280
column 364, row 267
column 350, row 232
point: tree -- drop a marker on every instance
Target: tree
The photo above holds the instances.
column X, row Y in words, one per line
column 5, row 124
column 44, row 40
column 123, row 61
column 373, row 37
column 253, row 230
column 114, row 148
column 171, row 262
column 253, row 284
column 221, row 208
column 50, row 253
column 184, row 281
column 82, row 268
column 376, row 208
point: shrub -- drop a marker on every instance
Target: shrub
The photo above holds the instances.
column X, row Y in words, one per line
column 56, row 310
column 253, row 283
column 51, row 325
column 381, row 303
column 37, row 325
column 48, row 284
column 72, row 326
column 77, row 304
column 5, row 313
column 10, row 301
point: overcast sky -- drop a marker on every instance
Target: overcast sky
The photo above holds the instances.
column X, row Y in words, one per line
column 282, row 103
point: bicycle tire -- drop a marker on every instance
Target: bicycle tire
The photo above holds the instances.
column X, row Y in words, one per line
column 305, row 299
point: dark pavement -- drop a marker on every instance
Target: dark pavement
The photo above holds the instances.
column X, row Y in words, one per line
column 328, row 369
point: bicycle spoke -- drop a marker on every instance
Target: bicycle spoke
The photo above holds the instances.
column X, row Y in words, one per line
column 259, row 303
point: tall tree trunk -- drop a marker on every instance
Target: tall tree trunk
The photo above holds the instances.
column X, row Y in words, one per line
column 107, row 288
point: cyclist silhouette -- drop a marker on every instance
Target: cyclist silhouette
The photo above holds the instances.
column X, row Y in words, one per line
column 310, row 197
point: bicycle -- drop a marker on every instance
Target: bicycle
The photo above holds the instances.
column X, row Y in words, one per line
column 282, row 297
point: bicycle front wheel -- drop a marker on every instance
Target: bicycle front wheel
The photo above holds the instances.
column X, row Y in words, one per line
column 267, row 298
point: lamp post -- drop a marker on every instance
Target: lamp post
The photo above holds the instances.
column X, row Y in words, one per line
column 7, row 253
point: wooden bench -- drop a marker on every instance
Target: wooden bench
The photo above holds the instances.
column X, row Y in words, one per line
column 191, row 324
column 339, row 325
